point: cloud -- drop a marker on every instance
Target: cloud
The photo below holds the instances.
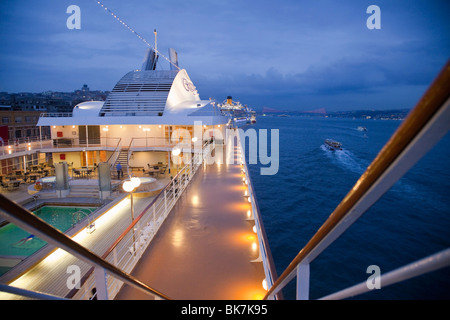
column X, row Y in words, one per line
column 291, row 52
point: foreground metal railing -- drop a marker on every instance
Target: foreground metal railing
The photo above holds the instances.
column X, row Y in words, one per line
column 426, row 124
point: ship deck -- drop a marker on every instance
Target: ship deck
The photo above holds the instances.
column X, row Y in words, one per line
column 205, row 248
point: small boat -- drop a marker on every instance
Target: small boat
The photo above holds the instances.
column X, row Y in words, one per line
column 333, row 145
column 360, row 128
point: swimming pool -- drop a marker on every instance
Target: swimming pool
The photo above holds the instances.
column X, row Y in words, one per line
column 13, row 247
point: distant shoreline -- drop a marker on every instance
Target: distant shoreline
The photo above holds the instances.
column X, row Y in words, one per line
column 392, row 114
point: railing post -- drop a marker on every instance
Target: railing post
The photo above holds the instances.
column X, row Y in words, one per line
column 303, row 281
column 115, row 256
column 154, row 217
column 100, row 283
column 165, row 202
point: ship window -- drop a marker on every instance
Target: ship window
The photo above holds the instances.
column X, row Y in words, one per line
column 93, row 134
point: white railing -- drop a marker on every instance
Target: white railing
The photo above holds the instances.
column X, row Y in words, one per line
column 151, row 142
column 56, row 115
column 19, row 147
column 23, row 145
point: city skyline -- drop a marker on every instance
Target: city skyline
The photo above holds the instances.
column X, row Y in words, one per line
column 297, row 55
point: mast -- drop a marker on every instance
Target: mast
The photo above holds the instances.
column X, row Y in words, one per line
column 156, row 42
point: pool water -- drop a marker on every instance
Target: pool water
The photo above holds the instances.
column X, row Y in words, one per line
column 10, row 235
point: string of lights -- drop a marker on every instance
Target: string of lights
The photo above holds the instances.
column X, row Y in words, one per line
column 134, row 31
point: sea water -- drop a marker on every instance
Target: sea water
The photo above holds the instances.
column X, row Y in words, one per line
column 409, row 222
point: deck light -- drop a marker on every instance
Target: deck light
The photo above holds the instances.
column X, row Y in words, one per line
column 195, row 200
column 176, row 152
column 128, row 186
column 131, row 185
column 264, row 284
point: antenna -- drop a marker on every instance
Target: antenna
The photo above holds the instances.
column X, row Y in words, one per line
column 133, row 31
column 156, row 40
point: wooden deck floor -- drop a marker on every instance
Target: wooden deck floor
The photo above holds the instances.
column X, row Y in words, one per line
column 205, row 247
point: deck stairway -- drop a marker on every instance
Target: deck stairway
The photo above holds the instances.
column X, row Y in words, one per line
column 123, row 159
column 83, row 191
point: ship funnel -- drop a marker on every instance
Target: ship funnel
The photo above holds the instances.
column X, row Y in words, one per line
column 229, row 100
column 173, row 57
column 150, row 60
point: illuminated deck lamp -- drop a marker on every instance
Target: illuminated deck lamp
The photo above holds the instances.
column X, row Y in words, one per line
column 264, row 284
column 130, row 186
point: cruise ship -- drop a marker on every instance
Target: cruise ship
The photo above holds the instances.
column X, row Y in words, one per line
column 155, row 129
column 240, row 115
column 197, row 235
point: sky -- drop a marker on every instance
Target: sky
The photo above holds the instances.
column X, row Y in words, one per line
column 294, row 55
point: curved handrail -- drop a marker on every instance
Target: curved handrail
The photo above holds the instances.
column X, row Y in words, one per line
column 429, row 105
column 115, row 149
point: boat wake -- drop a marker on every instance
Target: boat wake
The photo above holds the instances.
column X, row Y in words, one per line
column 345, row 159
column 349, row 161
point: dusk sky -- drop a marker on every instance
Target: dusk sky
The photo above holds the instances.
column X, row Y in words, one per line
column 285, row 54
